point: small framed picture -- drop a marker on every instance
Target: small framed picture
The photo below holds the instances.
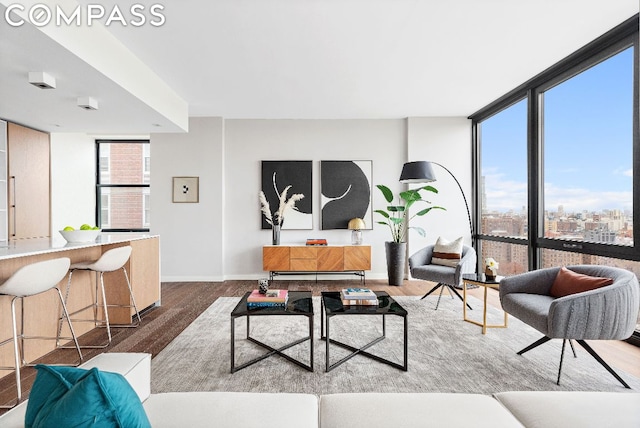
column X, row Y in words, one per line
column 185, row 190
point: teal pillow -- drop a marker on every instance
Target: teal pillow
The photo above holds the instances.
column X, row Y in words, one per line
column 74, row 397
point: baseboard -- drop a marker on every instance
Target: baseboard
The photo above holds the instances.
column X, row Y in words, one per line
column 191, row 279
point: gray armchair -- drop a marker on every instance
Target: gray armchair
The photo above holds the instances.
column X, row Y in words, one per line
column 445, row 276
column 606, row 313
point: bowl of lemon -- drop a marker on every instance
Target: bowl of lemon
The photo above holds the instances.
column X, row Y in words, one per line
column 86, row 233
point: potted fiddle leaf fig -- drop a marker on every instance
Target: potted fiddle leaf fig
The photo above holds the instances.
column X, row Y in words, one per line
column 397, row 217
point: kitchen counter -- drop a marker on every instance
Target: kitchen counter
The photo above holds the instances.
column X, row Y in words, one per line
column 41, row 311
column 29, row 247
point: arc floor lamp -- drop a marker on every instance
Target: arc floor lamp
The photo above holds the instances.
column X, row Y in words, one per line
column 422, row 172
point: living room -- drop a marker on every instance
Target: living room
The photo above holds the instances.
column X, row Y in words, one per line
column 378, row 99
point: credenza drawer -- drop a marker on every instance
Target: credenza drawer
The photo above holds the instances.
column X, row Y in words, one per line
column 303, row 265
column 303, row 252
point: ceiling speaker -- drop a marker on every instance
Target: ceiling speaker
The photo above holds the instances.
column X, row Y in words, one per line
column 42, row 80
column 88, row 103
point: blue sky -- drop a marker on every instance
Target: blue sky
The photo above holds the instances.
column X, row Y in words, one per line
column 587, row 138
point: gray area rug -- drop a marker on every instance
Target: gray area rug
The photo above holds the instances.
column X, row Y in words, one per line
column 446, row 354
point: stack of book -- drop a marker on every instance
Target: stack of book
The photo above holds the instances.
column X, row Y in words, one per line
column 358, row 296
column 271, row 299
column 316, row 241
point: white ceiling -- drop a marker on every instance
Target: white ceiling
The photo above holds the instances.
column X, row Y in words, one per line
column 306, row 59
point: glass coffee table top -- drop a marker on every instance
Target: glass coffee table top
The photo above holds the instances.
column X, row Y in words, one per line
column 299, row 303
column 386, row 305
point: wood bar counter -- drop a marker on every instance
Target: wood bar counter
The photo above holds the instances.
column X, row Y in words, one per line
column 41, row 312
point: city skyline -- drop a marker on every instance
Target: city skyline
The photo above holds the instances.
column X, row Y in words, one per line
column 587, row 132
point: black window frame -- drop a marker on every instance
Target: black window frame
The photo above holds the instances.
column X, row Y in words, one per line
column 616, row 40
column 99, row 186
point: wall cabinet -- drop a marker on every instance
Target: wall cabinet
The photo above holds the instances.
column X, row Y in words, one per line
column 301, row 258
column 28, row 183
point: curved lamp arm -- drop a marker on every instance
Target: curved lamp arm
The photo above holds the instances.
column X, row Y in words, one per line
column 421, row 172
column 463, row 196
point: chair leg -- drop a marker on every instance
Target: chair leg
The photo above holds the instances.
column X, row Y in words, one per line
column 573, row 349
column 73, row 333
column 458, row 294
column 133, row 305
column 586, row 347
column 439, row 297
column 535, row 344
column 16, row 352
column 66, row 299
column 450, row 289
column 104, row 308
column 432, row 290
column 564, row 343
column 133, row 299
column 100, row 292
column 602, row 362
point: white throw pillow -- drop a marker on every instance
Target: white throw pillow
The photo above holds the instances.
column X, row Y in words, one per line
column 447, row 253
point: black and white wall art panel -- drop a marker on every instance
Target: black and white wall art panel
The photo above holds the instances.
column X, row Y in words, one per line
column 346, row 193
column 276, row 176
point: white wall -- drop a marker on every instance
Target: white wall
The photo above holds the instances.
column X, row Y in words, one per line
column 191, row 234
column 248, row 142
column 447, row 141
column 73, row 180
column 220, row 237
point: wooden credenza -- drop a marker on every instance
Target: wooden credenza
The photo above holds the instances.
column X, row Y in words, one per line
column 278, row 259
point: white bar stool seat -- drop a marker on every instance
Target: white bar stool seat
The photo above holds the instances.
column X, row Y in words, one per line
column 28, row 281
column 110, row 261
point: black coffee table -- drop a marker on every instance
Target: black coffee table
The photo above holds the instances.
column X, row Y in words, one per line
column 299, row 303
column 332, row 306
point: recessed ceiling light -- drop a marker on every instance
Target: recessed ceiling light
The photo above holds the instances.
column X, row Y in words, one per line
column 42, row 80
column 88, row 103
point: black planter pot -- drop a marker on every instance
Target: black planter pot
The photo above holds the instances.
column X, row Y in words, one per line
column 396, row 256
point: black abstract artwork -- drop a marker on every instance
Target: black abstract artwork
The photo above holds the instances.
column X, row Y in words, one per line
column 276, row 176
column 346, row 193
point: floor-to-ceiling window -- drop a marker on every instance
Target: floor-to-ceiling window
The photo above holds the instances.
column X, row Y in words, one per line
column 587, row 146
column 503, row 188
column 557, row 161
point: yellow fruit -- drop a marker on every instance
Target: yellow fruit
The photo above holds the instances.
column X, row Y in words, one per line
column 95, row 228
column 68, row 228
column 85, row 227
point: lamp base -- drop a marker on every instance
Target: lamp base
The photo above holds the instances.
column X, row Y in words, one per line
column 356, row 237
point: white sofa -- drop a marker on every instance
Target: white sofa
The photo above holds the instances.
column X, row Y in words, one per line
column 371, row 410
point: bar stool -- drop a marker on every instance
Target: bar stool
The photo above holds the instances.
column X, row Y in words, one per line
column 112, row 260
column 28, row 281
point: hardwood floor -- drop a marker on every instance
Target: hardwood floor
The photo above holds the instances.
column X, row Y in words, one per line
column 182, row 302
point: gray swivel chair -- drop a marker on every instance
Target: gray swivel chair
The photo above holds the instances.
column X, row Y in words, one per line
column 606, row 313
column 445, row 276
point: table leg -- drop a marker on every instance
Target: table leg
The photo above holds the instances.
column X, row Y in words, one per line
column 464, row 300
column 233, row 344
column 327, row 344
column 248, row 326
column 311, row 342
column 321, row 319
column 384, row 325
column 484, row 312
column 406, row 345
